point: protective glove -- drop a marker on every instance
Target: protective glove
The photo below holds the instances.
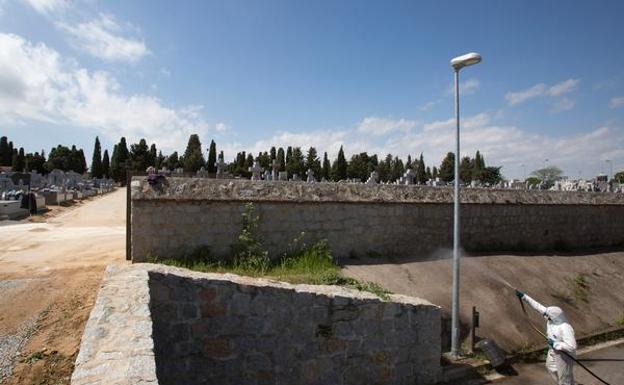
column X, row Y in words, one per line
column 519, row 294
column 551, row 343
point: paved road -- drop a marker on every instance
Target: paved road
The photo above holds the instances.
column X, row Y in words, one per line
column 607, row 363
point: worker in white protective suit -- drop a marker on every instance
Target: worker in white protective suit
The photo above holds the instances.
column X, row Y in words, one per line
column 560, row 338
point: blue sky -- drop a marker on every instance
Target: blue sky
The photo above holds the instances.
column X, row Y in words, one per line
column 370, row 75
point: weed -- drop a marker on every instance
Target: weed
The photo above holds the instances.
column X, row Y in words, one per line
column 37, row 356
column 580, row 288
column 620, row 322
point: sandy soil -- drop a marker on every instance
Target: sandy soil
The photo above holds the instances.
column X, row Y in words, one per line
column 50, row 271
column 487, row 282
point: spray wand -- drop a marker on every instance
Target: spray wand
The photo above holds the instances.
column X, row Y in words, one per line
column 547, row 339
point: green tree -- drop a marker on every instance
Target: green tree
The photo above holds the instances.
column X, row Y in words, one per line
column 313, row 162
column 339, row 168
column 6, row 154
column 273, row 153
column 421, row 171
column 397, row 169
column 281, row 159
column 296, row 164
column 18, row 161
column 491, row 175
column 106, row 165
column 619, row 177
column 193, row 156
column 59, row 158
column 326, row 169
column 212, row 157
column 139, row 156
column 153, row 154
column 265, row 160
column 434, row 173
column 446, row 172
column 548, row 175
column 35, row 162
column 119, row 161
column 160, row 160
column 358, row 166
column 465, row 169
column 173, row 161
column 96, row 162
column 384, row 169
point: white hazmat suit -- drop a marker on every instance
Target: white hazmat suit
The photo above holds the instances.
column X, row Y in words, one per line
column 561, row 333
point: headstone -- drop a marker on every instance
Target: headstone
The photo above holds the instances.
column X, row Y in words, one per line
column 267, row 175
column 295, row 178
column 275, row 170
column 409, row 176
column 220, row 165
column 36, row 180
column 202, row 173
column 6, row 183
column 256, row 171
column 283, row 176
column 373, row 179
column 310, row 174
column 56, row 178
column 178, row 171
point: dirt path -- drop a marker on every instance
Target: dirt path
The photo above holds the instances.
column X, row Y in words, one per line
column 49, row 276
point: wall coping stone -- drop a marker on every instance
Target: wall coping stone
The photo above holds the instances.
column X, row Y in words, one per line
column 205, row 189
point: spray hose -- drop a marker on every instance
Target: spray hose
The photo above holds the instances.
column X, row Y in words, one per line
column 562, row 351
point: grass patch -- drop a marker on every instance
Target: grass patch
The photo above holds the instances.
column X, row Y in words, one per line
column 580, row 288
column 301, row 263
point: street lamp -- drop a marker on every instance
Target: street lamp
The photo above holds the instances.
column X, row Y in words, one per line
column 457, row 63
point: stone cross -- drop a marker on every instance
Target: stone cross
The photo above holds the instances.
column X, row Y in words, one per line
column 256, row 171
column 275, row 165
column 374, row 177
column 409, row 176
column 220, row 165
column 310, row 174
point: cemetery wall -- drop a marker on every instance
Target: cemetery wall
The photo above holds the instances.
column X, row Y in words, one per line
column 362, row 220
column 163, row 325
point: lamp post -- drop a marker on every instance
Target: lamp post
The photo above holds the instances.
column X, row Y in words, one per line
column 457, row 63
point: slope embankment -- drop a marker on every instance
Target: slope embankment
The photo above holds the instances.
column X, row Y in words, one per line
column 589, row 287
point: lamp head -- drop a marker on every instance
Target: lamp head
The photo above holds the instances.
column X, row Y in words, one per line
column 465, row 60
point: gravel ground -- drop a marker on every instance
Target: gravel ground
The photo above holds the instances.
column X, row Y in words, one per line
column 11, row 346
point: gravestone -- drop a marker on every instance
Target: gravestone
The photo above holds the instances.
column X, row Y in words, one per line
column 311, row 178
column 220, row 165
column 283, row 176
column 373, row 179
column 6, row 183
column 36, row 180
column 267, row 175
column 409, row 176
column 202, row 173
column 295, row 178
column 275, row 166
column 56, row 178
column 256, row 171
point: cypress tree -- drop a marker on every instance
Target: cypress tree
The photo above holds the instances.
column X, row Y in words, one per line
column 339, row 168
column 193, row 156
column 446, row 172
column 96, row 162
column 119, row 161
column 313, row 162
column 326, row 169
column 212, row 157
column 83, row 162
column 281, row 159
column 421, row 172
column 19, row 160
column 139, row 156
column 151, row 161
column 6, row 157
column 273, row 153
column 105, row 165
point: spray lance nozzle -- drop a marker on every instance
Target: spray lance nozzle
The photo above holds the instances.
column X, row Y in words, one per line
column 519, row 294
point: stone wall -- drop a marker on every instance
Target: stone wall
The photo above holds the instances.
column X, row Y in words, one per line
column 154, row 324
column 362, row 220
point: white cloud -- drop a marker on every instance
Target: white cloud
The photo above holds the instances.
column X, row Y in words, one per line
column 381, row 126
column 47, row 6
column 470, row 86
column 541, row 89
column 563, row 104
column 502, row 145
column 616, row 102
column 36, row 83
column 222, row 127
column 102, row 38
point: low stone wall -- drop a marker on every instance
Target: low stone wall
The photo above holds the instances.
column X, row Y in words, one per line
column 154, row 324
column 362, row 220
